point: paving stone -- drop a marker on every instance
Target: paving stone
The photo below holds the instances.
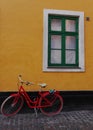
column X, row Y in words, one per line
column 70, row 120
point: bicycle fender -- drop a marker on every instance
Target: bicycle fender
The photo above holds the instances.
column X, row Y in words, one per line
column 57, row 92
column 15, row 94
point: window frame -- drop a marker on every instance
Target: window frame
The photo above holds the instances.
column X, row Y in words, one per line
column 81, row 66
column 63, row 33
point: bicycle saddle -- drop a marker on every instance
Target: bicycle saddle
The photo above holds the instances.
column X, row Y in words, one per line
column 43, row 85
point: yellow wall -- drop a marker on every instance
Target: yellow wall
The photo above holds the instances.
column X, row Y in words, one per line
column 21, row 44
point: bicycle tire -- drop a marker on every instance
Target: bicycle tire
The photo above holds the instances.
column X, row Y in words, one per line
column 9, row 107
column 53, row 109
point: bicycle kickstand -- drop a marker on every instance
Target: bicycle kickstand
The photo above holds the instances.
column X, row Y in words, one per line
column 35, row 111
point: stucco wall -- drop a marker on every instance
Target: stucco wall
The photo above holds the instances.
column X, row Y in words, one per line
column 21, row 45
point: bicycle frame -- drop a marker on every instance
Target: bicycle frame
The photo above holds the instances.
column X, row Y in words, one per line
column 34, row 103
column 49, row 102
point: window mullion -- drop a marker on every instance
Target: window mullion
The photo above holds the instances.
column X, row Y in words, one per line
column 63, row 41
column 49, row 41
column 77, row 52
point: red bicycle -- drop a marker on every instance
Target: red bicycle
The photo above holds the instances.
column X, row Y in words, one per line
column 49, row 102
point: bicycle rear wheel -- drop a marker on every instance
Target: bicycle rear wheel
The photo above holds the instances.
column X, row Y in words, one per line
column 12, row 105
column 55, row 107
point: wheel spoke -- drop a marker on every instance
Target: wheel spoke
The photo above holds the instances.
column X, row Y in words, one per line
column 55, row 107
column 11, row 105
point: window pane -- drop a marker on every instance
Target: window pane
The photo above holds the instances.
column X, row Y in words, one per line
column 70, row 42
column 56, row 25
column 56, row 56
column 70, row 57
column 56, row 42
column 70, row 25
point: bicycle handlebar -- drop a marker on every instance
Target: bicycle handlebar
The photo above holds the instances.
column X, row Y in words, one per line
column 25, row 82
column 42, row 85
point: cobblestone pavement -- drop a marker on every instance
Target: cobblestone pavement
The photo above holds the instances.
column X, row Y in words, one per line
column 70, row 120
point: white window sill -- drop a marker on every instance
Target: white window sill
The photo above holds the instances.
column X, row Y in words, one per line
column 64, row 69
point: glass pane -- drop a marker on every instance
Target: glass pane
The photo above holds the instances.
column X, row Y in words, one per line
column 56, row 41
column 70, row 25
column 70, row 57
column 70, row 42
column 56, row 25
column 56, row 56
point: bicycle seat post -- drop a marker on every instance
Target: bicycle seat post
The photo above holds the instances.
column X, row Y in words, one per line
column 40, row 89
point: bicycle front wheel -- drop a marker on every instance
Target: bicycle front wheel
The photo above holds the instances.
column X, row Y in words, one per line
column 12, row 105
column 56, row 106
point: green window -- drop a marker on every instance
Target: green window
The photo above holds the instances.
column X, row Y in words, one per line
column 63, row 34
